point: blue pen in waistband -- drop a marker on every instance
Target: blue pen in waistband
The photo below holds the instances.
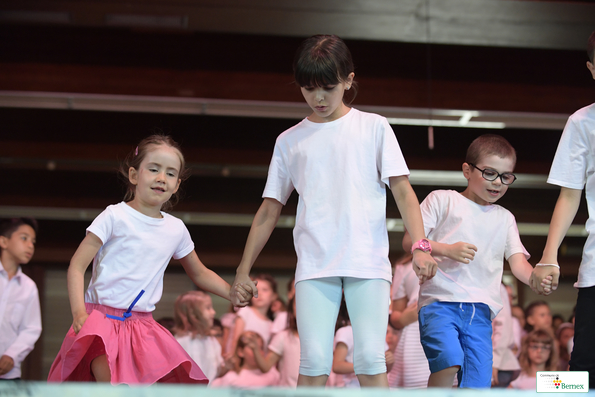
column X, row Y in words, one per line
column 127, row 313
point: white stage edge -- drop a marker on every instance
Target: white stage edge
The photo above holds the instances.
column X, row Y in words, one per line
column 76, row 389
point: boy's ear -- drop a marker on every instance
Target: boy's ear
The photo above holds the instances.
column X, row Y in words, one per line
column 591, row 68
column 467, row 171
column 133, row 175
column 3, row 242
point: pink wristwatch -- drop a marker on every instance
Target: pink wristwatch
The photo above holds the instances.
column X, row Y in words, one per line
column 422, row 245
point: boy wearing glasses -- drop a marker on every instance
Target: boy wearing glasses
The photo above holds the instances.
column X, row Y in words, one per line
column 470, row 238
column 573, row 170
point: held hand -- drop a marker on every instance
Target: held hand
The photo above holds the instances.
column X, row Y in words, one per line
column 78, row 323
column 544, row 279
column 424, row 265
column 239, row 296
column 6, row 364
column 462, row 252
column 242, row 290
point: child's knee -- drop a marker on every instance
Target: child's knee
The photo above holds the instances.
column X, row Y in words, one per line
column 315, row 361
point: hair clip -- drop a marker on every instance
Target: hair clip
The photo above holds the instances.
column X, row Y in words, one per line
column 136, row 151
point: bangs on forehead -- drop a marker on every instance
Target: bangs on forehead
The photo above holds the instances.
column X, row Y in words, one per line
column 316, row 72
column 546, row 340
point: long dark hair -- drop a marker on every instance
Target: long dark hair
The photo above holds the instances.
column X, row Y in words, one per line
column 323, row 60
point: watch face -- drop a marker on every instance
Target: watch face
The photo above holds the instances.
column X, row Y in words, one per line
column 424, row 245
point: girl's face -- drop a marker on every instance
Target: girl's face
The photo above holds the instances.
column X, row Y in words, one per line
column 539, row 352
column 327, row 102
column 541, row 318
column 266, row 296
column 208, row 312
column 157, row 178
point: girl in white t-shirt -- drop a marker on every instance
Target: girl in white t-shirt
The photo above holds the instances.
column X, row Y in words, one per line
column 247, row 374
column 193, row 318
column 538, row 353
column 284, row 351
column 257, row 316
column 339, row 160
column 113, row 337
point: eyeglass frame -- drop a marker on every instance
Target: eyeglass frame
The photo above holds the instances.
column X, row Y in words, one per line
column 498, row 174
column 544, row 347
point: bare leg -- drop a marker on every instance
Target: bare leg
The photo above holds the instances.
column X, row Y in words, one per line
column 379, row 380
column 312, row 381
column 100, row 369
column 443, row 378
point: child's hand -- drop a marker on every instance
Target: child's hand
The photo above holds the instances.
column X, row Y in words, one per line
column 389, row 357
column 424, row 265
column 251, row 342
column 6, row 364
column 242, row 290
column 409, row 315
column 544, row 279
column 78, row 322
column 462, row 252
column 239, row 296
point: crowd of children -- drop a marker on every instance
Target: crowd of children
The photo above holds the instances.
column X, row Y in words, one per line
column 451, row 321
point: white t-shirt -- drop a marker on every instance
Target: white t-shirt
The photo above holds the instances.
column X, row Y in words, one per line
column 279, row 323
column 339, row 170
column 503, row 337
column 524, row 382
column 205, row 351
column 345, row 335
column 286, row 344
column 20, row 318
column 247, row 379
column 449, row 217
column 135, row 252
column 253, row 322
column 574, row 167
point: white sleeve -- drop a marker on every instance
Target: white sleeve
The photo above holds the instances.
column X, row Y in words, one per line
column 569, row 168
column 390, row 160
column 513, row 240
column 279, row 185
column 186, row 244
column 430, row 211
column 278, row 343
column 502, row 336
column 103, row 225
column 29, row 329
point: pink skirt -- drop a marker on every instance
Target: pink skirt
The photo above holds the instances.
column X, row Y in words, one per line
column 138, row 350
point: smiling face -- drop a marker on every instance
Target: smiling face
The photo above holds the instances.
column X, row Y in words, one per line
column 19, row 247
column 480, row 190
column 156, row 180
column 327, row 102
column 540, row 317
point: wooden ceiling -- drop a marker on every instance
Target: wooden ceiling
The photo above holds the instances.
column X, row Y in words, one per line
column 60, row 161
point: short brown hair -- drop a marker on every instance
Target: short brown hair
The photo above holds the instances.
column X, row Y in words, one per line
column 487, row 145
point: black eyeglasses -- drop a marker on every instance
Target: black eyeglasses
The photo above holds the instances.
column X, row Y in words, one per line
column 507, row 178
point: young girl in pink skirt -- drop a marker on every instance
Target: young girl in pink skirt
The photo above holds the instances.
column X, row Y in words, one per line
column 113, row 337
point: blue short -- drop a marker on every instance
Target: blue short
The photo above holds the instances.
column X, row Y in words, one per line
column 454, row 333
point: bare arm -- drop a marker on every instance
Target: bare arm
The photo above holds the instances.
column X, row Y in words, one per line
column 265, row 363
column 564, row 213
column 210, row 281
column 423, row 263
column 460, row 252
column 76, row 278
column 340, row 365
column 264, row 223
column 401, row 314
